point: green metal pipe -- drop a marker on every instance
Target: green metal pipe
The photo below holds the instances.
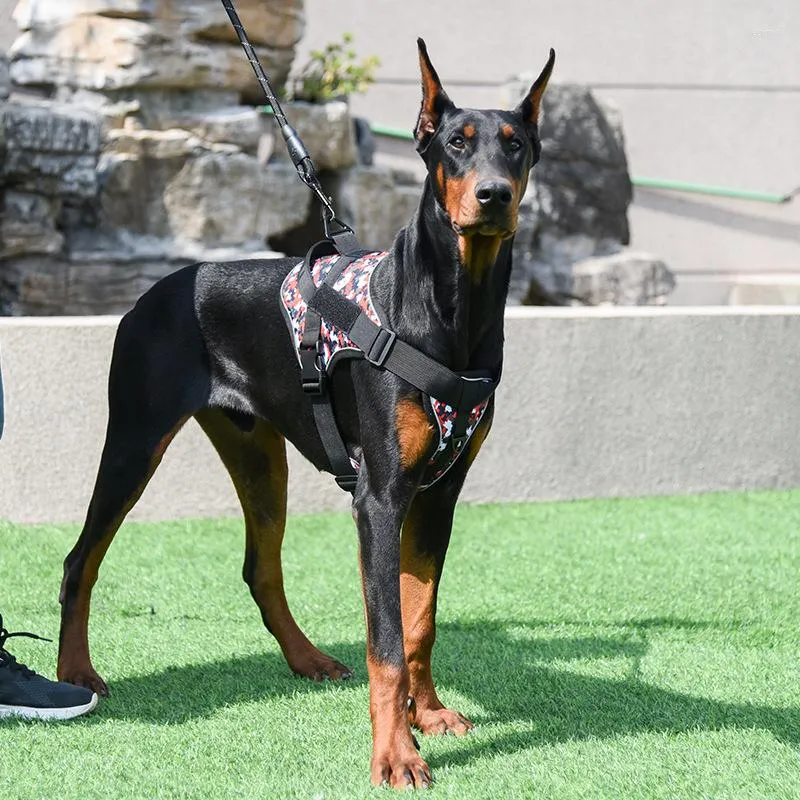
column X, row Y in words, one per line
column 648, row 183
column 716, row 191
column 392, row 133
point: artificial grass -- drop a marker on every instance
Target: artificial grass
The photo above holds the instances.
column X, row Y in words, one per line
column 605, row 649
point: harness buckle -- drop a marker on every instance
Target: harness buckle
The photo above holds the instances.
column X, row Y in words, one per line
column 312, row 376
column 379, row 350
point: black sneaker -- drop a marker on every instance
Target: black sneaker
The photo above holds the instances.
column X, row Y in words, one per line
column 25, row 694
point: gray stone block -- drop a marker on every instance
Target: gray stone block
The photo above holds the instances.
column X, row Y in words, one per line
column 35, row 285
column 28, row 225
column 242, row 126
column 627, row 278
column 135, row 171
column 577, row 200
column 5, row 78
column 51, row 149
column 118, row 53
column 376, row 204
column 327, row 132
column 228, row 199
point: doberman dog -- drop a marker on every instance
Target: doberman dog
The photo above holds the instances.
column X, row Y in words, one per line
column 209, row 342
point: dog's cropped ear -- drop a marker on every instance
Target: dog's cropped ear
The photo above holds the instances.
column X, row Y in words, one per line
column 530, row 107
column 434, row 100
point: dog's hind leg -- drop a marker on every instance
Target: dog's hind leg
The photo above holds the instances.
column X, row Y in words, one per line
column 155, row 384
column 126, row 467
column 256, row 461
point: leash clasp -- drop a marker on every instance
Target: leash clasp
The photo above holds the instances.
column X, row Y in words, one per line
column 332, row 224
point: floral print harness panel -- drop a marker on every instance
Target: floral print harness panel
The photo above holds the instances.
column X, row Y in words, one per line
column 354, row 283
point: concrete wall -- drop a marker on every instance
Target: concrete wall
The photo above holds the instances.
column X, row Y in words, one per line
column 709, row 92
column 598, row 402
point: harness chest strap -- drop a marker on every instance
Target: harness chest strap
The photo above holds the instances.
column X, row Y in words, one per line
column 383, row 349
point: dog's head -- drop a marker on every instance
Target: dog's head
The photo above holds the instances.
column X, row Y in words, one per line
column 478, row 161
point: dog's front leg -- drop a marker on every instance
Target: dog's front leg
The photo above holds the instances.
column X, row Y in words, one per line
column 426, row 534
column 379, row 514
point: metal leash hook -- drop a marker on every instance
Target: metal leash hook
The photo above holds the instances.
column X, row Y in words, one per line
column 297, row 150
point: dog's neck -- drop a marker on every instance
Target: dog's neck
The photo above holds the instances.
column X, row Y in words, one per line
column 455, row 286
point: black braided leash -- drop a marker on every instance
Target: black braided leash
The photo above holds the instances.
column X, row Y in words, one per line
column 297, row 150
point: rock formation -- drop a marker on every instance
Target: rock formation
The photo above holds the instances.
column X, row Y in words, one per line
column 573, row 232
column 131, row 146
column 127, row 48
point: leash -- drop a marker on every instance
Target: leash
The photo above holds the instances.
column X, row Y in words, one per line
column 337, row 231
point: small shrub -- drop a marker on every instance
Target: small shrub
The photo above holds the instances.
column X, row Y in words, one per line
column 333, row 73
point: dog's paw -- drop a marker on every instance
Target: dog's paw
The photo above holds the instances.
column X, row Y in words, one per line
column 319, row 667
column 86, row 677
column 442, row 720
column 400, row 769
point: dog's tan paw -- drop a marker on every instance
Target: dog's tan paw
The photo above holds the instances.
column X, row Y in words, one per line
column 401, row 769
column 442, row 720
column 319, row 667
column 85, row 677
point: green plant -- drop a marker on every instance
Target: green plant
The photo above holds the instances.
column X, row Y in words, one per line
column 333, row 73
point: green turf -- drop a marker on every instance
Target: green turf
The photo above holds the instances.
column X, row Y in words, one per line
column 605, row 649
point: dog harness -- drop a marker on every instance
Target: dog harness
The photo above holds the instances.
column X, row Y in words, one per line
column 332, row 315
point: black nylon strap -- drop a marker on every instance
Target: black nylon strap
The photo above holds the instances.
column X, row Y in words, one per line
column 311, row 330
column 337, row 269
column 324, row 418
column 345, row 242
column 336, row 308
column 309, row 344
column 332, row 441
column 305, row 280
column 311, row 375
column 383, row 349
column 306, row 285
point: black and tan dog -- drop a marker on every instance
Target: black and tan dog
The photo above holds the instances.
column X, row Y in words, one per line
column 210, row 342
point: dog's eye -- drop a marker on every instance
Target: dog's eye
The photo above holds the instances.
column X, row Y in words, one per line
column 515, row 144
column 457, row 142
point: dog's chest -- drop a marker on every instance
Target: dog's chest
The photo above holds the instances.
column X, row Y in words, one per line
column 334, row 344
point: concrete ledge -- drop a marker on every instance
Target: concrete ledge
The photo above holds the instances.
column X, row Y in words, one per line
column 594, row 403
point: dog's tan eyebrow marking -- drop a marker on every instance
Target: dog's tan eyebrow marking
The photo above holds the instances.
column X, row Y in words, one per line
column 507, row 131
column 469, row 131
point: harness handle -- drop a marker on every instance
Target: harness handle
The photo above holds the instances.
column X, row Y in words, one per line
column 297, row 150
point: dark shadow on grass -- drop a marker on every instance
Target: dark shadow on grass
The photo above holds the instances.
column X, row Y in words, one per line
column 179, row 694
column 509, row 677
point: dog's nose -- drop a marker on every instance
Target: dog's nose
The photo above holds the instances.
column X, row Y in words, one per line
column 494, row 192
